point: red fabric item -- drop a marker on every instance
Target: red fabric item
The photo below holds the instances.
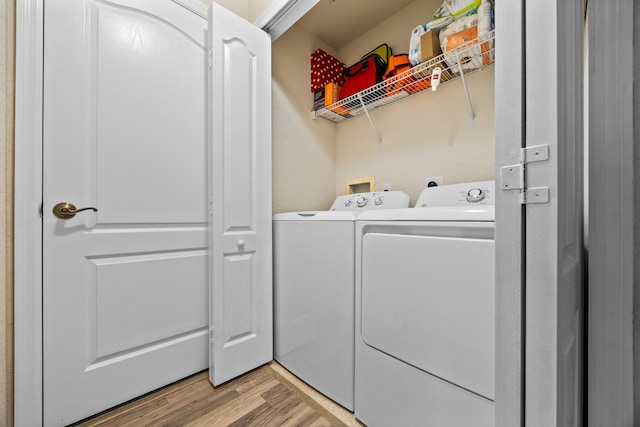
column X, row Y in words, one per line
column 325, row 69
column 362, row 75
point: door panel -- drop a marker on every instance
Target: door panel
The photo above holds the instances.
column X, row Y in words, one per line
column 123, row 324
column 240, row 163
column 142, row 157
column 125, row 287
column 240, row 323
column 239, row 111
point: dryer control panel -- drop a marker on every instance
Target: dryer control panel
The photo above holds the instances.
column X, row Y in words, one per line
column 375, row 200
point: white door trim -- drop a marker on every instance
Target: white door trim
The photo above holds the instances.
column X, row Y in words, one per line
column 509, row 409
column 280, row 15
column 28, row 198
column 28, row 223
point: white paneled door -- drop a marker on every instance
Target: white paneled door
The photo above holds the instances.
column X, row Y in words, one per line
column 240, row 168
column 125, row 286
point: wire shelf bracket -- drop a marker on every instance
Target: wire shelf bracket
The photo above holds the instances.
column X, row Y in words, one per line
column 373, row 127
column 466, row 91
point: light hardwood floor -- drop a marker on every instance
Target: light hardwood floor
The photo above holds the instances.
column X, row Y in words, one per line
column 267, row 396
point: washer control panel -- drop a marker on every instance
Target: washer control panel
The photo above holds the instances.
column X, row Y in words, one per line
column 375, row 200
column 465, row 194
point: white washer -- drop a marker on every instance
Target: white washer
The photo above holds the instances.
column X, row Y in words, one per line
column 425, row 280
column 314, row 295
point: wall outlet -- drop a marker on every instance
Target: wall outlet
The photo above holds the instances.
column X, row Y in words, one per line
column 386, row 187
column 432, row 181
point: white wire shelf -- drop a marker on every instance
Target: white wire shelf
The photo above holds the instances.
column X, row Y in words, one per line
column 471, row 57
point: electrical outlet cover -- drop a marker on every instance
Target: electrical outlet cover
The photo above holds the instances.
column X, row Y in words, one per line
column 439, row 180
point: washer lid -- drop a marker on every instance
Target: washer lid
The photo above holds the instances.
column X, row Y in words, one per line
column 441, row 213
column 317, row 216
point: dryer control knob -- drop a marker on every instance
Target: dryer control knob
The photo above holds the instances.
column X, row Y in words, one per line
column 475, row 195
column 362, row 202
column 378, row 201
column 348, row 203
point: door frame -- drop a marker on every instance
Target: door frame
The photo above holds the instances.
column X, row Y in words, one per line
column 27, row 310
column 28, row 222
column 610, row 306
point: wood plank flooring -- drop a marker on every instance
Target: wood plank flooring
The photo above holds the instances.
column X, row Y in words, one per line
column 261, row 397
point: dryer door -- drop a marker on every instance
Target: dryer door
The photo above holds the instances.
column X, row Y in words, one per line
column 429, row 302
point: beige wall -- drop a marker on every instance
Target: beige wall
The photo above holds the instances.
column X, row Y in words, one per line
column 395, row 31
column 248, row 9
column 7, row 44
column 303, row 148
column 429, row 134
column 239, row 7
column 257, row 8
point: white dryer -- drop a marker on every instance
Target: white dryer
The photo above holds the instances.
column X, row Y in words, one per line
column 314, row 293
column 425, row 280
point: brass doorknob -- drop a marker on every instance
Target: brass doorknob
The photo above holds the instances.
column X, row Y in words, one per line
column 66, row 210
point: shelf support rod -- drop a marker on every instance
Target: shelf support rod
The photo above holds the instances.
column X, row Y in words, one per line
column 375, row 131
column 466, row 91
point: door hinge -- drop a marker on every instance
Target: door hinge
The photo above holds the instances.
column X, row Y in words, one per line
column 210, row 333
column 210, row 59
column 514, row 177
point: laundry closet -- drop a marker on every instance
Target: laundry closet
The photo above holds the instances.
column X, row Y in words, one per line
column 318, row 149
column 427, row 134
